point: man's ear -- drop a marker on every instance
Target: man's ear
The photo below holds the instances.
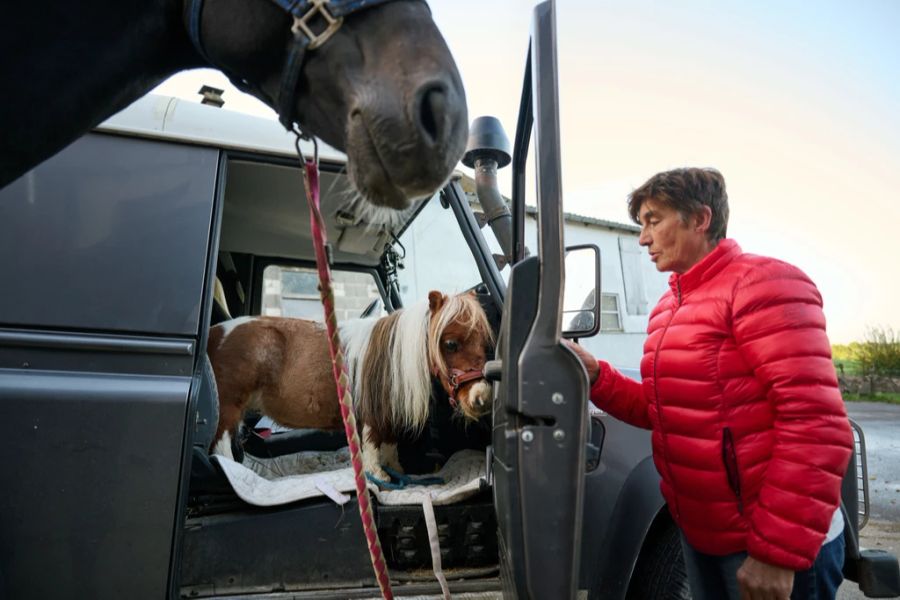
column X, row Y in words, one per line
column 702, row 219
column 435, row 301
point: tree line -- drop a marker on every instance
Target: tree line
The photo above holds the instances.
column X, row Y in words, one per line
column 877, row 355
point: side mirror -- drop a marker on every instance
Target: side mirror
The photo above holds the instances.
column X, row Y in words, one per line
column 581, row 298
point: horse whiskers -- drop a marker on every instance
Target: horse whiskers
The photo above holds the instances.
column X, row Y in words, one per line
column 459, row 416
column 339, row 179
column 370, row 216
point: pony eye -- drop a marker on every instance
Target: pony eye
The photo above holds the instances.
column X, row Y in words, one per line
column 451, row 345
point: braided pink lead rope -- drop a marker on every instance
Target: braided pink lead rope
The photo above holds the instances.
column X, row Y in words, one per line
column 341, row 378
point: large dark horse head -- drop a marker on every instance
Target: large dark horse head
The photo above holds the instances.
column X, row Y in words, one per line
column 383, row 87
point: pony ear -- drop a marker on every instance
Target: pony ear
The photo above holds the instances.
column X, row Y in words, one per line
column 435, row 300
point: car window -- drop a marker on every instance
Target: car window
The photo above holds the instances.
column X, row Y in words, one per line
column 497, row 251
column 294, row 292
column 437, row 255
column 110, row 234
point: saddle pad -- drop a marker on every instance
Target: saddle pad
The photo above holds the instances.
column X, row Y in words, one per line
column 284, row 479
column 462, row 475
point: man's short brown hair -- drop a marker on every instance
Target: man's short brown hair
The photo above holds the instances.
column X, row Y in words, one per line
column 686, row 190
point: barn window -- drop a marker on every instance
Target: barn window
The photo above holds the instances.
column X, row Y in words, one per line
column 610, row 316
column 633, row 278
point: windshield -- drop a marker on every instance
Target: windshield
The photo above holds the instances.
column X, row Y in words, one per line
column 437, row 255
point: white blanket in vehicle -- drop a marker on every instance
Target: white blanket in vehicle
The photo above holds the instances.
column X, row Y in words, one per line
column 283, row 479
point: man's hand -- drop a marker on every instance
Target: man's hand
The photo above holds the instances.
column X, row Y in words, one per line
column 590, row 363
column 761, row 581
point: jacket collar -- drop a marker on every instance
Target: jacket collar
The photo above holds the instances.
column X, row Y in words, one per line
column 708, row 267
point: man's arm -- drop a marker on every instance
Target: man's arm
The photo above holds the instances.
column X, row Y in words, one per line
column 779, row 328
column 620, row 396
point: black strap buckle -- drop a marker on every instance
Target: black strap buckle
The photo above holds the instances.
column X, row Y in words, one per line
column 301, row 24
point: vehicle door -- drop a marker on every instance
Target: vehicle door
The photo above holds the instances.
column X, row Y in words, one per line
column 540, row 413
column 106, row 249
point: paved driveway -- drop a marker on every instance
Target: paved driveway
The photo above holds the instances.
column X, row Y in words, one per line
column 881, row 425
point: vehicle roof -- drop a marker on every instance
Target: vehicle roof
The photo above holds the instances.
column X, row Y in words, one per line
column 173, row 119
column 263, row 201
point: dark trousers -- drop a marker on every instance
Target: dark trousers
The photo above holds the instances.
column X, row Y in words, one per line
column 715, row 577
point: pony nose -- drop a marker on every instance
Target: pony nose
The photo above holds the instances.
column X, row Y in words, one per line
column 432, row 112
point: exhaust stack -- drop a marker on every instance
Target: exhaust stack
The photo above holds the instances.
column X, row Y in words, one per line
column 487, row 151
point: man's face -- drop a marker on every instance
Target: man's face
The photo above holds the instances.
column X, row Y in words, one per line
column 674, row 245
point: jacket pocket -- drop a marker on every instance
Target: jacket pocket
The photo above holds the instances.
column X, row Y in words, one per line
column 729, row 458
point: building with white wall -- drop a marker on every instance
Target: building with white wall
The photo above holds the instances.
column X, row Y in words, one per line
column 630, row 284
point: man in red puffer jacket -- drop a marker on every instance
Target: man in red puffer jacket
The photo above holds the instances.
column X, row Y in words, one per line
column 750, row 434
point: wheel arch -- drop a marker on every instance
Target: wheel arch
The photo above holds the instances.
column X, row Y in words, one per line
column 639, row 510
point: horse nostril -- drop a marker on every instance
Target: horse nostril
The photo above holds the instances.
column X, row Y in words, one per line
column 432, row 111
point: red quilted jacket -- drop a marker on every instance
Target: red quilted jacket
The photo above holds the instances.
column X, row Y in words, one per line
column 750, row 434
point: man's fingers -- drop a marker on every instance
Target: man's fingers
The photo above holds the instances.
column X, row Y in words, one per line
column 743, row 584
column 759, row 581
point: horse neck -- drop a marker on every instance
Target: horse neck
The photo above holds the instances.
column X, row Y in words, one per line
column 72, row 54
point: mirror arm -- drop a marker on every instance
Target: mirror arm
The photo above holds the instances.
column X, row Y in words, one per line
column 493, row 370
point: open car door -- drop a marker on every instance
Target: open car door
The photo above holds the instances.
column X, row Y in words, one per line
column 540, row 414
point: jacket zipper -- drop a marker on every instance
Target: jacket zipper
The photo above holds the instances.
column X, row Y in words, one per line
column 656, row 395
column 729, row 457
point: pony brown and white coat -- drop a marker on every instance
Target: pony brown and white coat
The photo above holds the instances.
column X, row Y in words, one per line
column 282, row 368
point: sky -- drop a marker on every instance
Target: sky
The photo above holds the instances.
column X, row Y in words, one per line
column 797, row 104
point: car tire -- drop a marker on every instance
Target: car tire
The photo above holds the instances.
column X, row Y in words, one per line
column 659, row 572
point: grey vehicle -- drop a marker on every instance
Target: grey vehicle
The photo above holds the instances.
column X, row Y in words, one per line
column 121, row 251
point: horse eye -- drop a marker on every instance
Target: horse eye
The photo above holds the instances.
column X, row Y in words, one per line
column 451, row 345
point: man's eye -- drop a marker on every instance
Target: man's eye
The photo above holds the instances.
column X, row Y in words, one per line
column 451, row 345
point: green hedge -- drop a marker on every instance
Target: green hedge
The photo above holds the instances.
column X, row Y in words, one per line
column 878, row 354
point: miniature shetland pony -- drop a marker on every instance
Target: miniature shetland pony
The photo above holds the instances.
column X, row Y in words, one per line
column 282, row 368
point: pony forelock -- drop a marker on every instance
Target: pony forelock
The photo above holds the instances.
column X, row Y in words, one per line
column 465, row 310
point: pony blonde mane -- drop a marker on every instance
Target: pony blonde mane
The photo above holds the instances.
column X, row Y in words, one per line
column 391, row 360
column 388, row 364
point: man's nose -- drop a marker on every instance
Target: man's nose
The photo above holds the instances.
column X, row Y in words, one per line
column 644, row 239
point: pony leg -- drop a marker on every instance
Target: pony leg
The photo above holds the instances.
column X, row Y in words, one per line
column 390, row 458
column 223, row 446
column 371, row 457
column 230, row 415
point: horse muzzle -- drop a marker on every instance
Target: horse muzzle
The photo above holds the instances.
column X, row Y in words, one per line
column 474, row 401
column 403, row 147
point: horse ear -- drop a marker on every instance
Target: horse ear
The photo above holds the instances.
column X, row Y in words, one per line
column 435, row 300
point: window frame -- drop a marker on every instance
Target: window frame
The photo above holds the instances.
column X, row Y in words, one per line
column 618, row 313
column 261, row 263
